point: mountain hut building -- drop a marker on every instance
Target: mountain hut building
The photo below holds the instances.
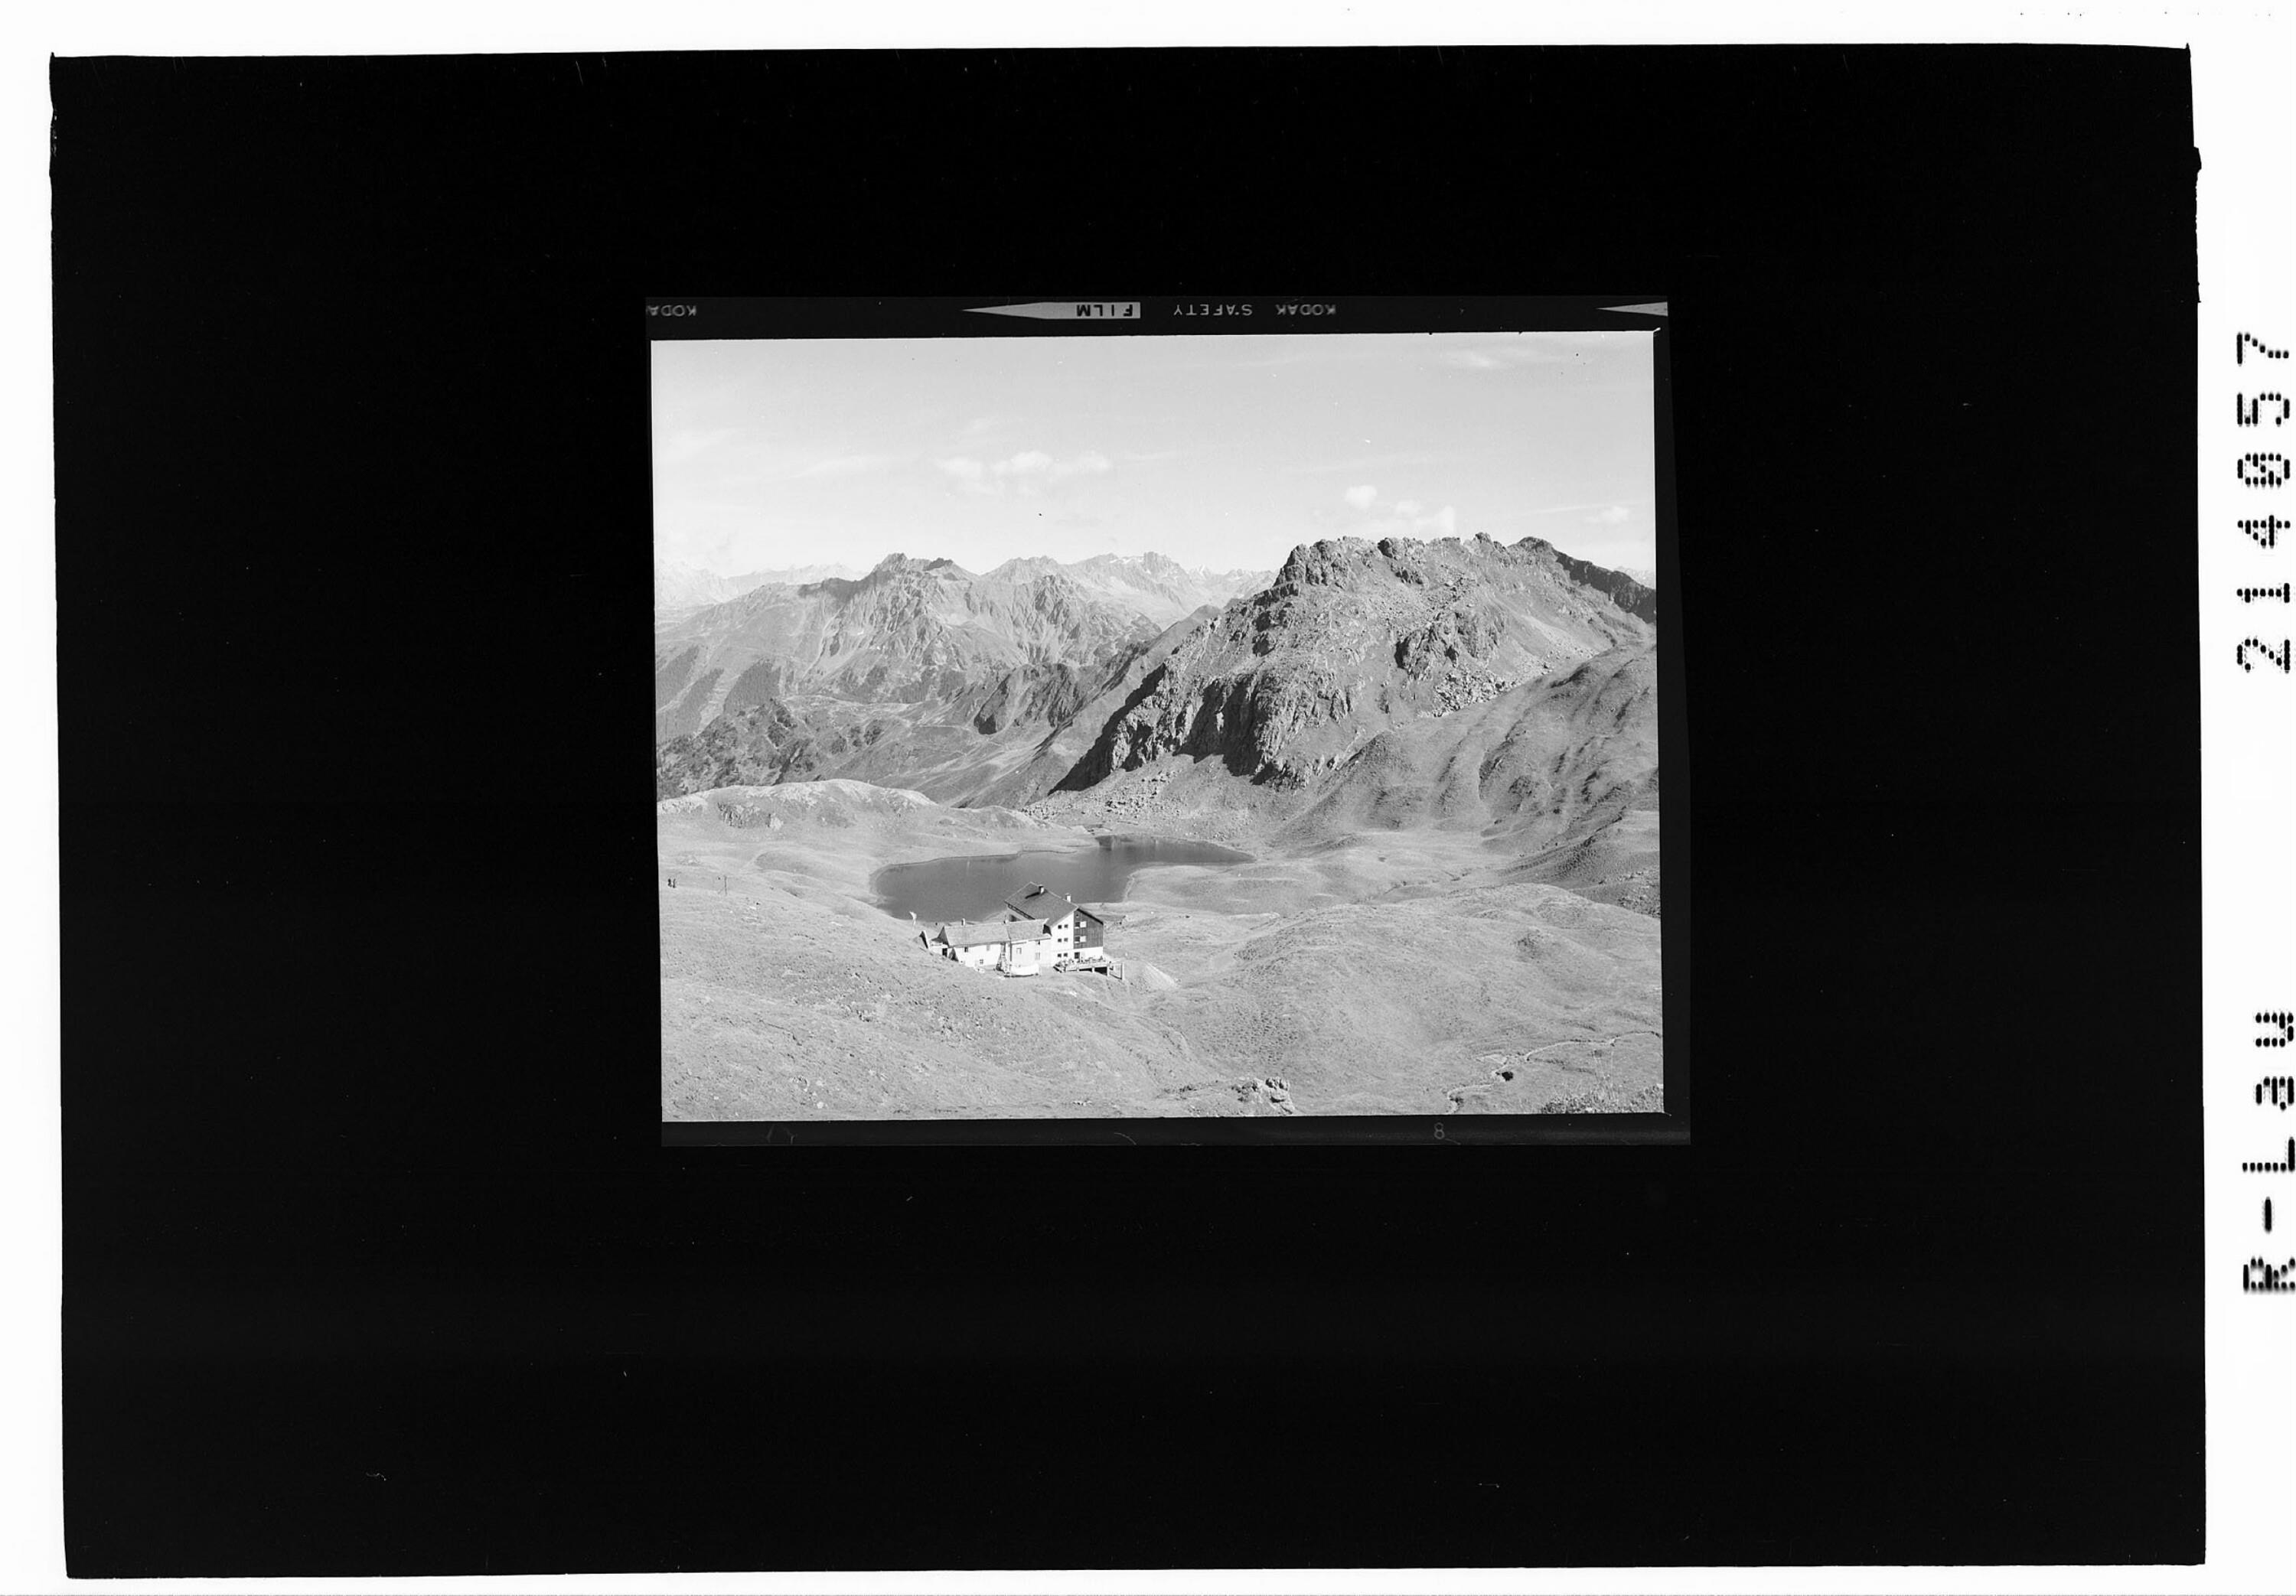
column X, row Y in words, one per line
column 1011, row 946
column 1078, row 935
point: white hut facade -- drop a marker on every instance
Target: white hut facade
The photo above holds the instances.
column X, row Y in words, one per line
column 1076, row 934
column 1012, row 947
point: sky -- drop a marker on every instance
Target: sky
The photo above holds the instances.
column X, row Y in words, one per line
column 1223, row 452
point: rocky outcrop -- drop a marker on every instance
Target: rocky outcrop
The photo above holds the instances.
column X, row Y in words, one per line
column 1629, row 592
column 1048, row 694
column 915, row 648
column 1060, row 749
column 1352, row 636
column 1462, row 634
column 764, row 743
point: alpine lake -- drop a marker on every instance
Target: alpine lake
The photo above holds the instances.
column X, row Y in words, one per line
column 936, row 890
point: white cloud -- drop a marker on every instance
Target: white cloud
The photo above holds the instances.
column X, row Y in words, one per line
column 1023, row 472
column 1611, row 515
column 1403, row 518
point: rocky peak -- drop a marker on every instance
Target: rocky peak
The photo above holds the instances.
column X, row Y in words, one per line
column 1352, row 562
column 1325, row 562
column 1354, row 636
column 901, row 565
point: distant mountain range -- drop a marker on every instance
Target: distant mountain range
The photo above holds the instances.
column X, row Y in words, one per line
column 680, row 589
column 1153, row 585
column 1457, row 683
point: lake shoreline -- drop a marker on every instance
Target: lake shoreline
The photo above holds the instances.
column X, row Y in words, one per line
column 974, row 885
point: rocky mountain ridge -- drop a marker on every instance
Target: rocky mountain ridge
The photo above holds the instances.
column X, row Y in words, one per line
column 920, row 656
column 1352, row 636
column 1370, row 685
column 911, row 632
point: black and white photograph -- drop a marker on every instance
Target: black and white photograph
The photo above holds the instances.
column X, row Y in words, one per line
column 1158, row 725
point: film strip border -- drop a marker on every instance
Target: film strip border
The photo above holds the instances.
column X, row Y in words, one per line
column 1094, row 313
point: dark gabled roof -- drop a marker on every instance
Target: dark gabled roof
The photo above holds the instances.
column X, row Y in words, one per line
column 1042, row 903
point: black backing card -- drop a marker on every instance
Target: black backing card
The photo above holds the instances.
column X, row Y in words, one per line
column 373, row 1262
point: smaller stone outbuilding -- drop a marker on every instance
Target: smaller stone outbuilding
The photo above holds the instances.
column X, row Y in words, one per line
column 1012, row 947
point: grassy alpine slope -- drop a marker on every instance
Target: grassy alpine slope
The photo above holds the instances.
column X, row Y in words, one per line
column 1404, row 974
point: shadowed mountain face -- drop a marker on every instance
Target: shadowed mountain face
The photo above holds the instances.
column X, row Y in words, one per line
column 1356, row 639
